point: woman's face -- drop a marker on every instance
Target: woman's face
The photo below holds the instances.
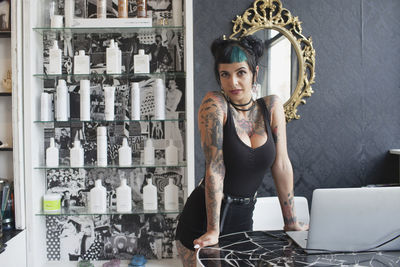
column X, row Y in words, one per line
column 236, row 81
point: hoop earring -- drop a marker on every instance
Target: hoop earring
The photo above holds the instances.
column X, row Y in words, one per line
column 255, row 90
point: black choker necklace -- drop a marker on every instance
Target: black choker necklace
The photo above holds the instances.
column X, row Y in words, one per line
column 241, row 105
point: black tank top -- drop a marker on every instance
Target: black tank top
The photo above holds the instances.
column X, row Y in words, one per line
column 245, row 166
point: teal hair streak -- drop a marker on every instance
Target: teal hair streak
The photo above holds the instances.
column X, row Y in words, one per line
column 238, row 55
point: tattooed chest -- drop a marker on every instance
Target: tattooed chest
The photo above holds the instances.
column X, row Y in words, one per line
column 246, row 127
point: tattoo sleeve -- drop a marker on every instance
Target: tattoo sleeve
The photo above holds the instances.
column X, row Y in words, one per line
column 211, row 117
column 288, row 217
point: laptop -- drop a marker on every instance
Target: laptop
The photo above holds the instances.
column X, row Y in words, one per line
column 352, row 220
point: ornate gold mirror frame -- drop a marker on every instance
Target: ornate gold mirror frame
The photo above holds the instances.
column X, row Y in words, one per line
column 269, row 14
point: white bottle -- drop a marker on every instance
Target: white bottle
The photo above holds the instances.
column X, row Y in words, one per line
column 102, row 9
column 124, row 197
column 149, row 196
column 45, row 107
column 159, row 100
column 109, row 96
column 69, row 12
column 149, row 152
column 102, row 146
column 171, row 201
column 177, row 12
column 62, row 101
column 81, row 63
column 98, row 198
column 125, row 154
column 55, row 59
column 141, row 62
column 52, row 154
column 135, row 101
column 171, row 154
column 76, row 155
column 85, row 100
column 113, row 58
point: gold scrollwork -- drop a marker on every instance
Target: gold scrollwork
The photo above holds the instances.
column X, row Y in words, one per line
column 269, row 14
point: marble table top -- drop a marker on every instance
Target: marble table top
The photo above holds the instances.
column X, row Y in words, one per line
column 274, row 248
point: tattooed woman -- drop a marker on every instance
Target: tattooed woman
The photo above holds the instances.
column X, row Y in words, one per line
column 242, row 138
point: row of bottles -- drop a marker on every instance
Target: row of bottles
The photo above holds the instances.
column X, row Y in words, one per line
column 62, row 102
column 81, row 65
column 98, row 198
column 124, row 152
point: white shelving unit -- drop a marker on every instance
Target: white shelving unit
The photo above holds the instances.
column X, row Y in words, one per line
column 35, row 184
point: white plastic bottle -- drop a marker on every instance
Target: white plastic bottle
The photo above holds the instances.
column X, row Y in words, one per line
column 102, row 9
column 102, row 146
column 52, row 154
column 81, row 63
column 85, row 100
column 141, row 62
column 109, row 97
column 124, row 197
column 177, row 12
column 135, row 101
column 149, row 196
column 171, row 154
column 62, row 101
column 159, row 100
column 149, row 152
column 125, row 154
column 55, row 59
column 76, row 155
column 171, row 200
column 45, row 107
column 69, row 12
column 113, row 58
column 98, row 198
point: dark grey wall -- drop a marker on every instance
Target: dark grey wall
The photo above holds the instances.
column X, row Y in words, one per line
column 353, row 118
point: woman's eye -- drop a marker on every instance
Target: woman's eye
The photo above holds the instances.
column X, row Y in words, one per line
column 241, row 72
column 224, row 74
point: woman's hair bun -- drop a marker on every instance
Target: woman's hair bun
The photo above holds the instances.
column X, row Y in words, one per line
column 253, row 44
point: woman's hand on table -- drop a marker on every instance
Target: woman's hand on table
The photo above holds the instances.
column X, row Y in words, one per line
column 297, row 226
column 208, row 239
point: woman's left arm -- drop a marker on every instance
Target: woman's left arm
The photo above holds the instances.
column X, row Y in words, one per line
column 282, row 170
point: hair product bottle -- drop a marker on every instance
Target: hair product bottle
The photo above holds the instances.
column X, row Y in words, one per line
column 141, row 62
column 76, row 155
column 177, row 12
column 102, row 9
column 45, row 107
column 52, row 203
column 141, row 8
column 171, row 201
column 69, row 12
column 98, row 198
column 122, row 8
column 109, row 95
column 85, row 100
column 81, row 63
column 159, row 100
column 52, row 154
column 113, row 58
column 171, row 154
column 62, row 101
column 124, row 197
column 135, row 101
column 125, row 154
column 54, row 59
column 102, row 146
column 149, row 152
column 149, row 196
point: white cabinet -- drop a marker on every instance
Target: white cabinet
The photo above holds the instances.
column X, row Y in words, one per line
column 76, row 233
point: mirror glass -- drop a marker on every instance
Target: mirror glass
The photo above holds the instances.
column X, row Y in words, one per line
column 279, row 67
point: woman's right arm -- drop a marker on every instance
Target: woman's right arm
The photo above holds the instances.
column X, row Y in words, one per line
column 211, row 122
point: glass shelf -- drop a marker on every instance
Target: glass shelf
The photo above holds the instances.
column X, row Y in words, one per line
column 104, row 121
column 180, row 165
column 115, row 75
column 102, row 30
column 81, row 211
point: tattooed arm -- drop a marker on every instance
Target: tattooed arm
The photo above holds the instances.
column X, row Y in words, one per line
column 282, row 170
column 211, row 120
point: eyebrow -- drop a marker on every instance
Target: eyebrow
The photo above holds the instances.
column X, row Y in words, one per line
column 243, row 67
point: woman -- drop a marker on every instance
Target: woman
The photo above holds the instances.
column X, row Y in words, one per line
column 241, row 138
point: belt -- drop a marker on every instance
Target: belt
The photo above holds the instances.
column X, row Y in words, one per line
column 234, row 200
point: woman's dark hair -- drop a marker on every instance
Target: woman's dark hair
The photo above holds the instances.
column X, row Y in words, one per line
column 225, row 50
